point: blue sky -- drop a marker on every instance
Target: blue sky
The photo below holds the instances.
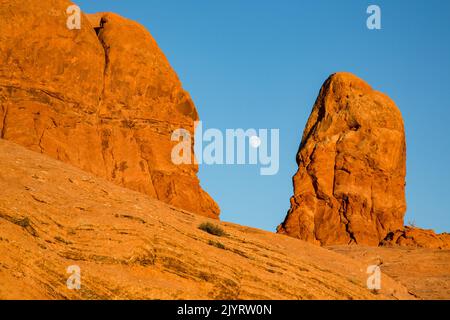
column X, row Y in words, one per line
column 260, row 64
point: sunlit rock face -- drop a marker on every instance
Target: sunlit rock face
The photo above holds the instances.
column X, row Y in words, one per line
column 103, row 98
column 350, row 183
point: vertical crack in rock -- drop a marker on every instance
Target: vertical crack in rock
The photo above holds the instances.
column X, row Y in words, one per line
column 346, row 221
column 99, row 29
column 40, row 141
column 4, row 120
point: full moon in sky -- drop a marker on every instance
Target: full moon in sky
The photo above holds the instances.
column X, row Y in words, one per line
column 255, row 141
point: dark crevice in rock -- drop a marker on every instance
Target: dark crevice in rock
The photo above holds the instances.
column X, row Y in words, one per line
column 346, row 221
column 104, row 134
column 40, row 141
column 100, row 26
column 354, row 126
column 389, row 237
column 99, row 32
column 5, row 118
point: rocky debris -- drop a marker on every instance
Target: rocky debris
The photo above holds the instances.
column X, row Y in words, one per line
column 350, row 184
column 417, row 238
column 103, row 98
column 130, row 246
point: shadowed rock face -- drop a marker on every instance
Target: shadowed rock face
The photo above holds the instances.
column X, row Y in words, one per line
column 103, row 98
column 350, row 184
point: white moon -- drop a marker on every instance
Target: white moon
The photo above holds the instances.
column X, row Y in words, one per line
column 255, row 141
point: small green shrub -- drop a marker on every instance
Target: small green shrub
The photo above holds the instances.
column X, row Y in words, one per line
column 216, row 244
column 212, row 229
column 24, row 223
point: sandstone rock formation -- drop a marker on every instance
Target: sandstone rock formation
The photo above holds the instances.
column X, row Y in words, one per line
column 417, row 238
column 129, row 246
column 103, row 98
column 350, row 184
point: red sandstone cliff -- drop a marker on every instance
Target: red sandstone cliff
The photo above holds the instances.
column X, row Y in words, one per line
column 105, row 100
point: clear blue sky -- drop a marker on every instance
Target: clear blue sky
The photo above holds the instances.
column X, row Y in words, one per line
column 260, row 64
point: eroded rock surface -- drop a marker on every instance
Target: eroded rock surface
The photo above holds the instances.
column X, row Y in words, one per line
column 350, row 184
column 103, row 98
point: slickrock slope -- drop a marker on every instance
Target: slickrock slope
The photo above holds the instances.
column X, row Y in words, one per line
column 417, row 238
column 350, row 184
column 103, row 98
column 425, row 272
column 130, row 246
